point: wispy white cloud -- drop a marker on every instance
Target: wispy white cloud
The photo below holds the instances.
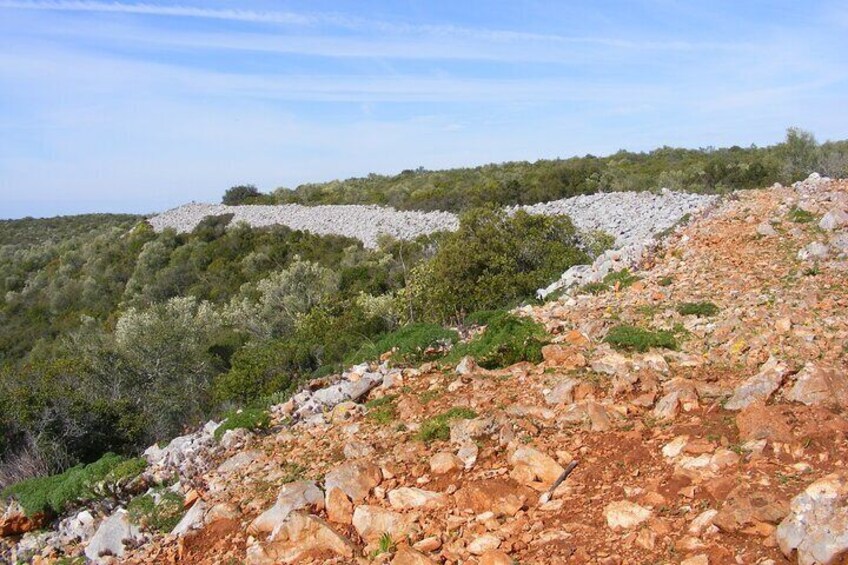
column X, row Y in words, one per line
column 160, row 10
column 404, row 29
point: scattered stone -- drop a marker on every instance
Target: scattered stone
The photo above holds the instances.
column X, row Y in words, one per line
column 625, row 515
column 404, row 498
column 484, row 543
column 815, row 385
column 834, row 219
column 445, row 462
column 541, row 466
column 407, row 556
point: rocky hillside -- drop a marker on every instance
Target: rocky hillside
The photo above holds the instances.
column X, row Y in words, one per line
column 691, row 414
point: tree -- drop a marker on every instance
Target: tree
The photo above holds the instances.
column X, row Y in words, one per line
column 800, row 153
column 241, row 194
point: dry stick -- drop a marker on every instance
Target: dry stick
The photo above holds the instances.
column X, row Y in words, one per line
column 564, row 475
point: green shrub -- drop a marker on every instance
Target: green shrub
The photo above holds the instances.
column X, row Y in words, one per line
column 259, row 370
column 632, row 338
column 57, row 492
column 492, row 261
column 800, row 216
column 438, row 427
column 597, row 241
column 127, row 469
column 508, row 339
column 623, row 278
column 409, row 344
column 247, row 418
column 161, row 516
column 704, row 309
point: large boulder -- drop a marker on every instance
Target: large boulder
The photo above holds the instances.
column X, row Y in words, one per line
column 110, row 536
column 354, row 478
column 301, row 537
column 817, row 525
column 816, row 385
column 372, row 522
column 760, row 387
column 292, row 496
column 625, row 515
column 531, row 464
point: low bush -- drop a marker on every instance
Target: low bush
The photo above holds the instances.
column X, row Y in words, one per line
column 248, row 418
column 594, row 288
column 156, row 516
column 413, row 343
column 55, row 493
column 438, row 427
column 703, row 309
column 632, row 338
column 508, row 339
column 492, row 261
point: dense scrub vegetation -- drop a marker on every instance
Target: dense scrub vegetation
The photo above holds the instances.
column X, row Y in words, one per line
column 113, row 336
column 707, row 170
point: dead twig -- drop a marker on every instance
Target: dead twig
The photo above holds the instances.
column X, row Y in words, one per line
column 550, row 492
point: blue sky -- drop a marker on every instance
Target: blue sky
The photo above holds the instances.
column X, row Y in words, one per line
column 127, row 106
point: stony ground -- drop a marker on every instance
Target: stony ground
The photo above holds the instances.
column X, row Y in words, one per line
column 695, row 456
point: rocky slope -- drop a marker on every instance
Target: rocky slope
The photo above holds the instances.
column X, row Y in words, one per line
column 730, row 449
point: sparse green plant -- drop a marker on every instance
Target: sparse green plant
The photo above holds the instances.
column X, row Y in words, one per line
column 382, row 410
column 438, row 427
column 253, row 419
column 665, row 281
column 412, row 343
column 701, row 309
column 154, row 515
column 800, row 216
column 385, row 545
column 594, row 288
column 620, row 279
column 632, row 338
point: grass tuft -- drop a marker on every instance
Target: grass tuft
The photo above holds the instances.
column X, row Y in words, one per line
column 163, row 516
column 632, row 338
column 703, row 309
column 438, row 427
column 800, row 216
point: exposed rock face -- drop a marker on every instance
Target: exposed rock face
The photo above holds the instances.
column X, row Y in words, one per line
column 110, row 536
column 817, row 525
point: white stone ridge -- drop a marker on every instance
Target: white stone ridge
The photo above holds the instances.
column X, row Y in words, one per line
column 632, row 217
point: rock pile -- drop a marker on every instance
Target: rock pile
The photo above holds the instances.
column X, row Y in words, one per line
column 631, row 217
